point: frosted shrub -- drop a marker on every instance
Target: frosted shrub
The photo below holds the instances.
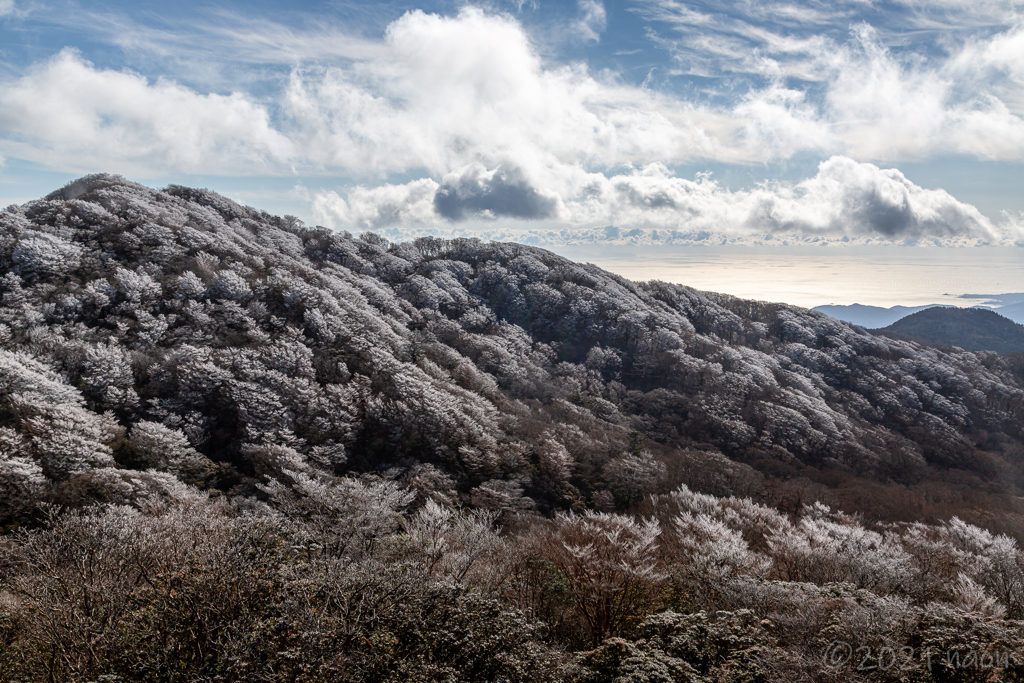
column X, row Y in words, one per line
column 823, row 551
column 340, row 517
column 457, row 545
column 972, row 597
column 755, row 522
column 798, row 611
column 107, row 378
column 228, row 284
column 998, row 563
column 610, row 562
column 143, row 490
column 40, row 254
column 21, row 479
column 633, row 476
column 188, row 285
column 138, row 286
column 870, row 620
column 430, row 483
column 555, row 460
column 501, row 496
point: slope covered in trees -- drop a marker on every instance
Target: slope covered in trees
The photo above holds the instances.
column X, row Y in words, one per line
column 153, row 338
column 974, row 329
column 233, row 448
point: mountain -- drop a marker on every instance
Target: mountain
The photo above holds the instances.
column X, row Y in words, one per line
column 177, row 333
column 235, row 448
column 870, row 317
column 875, row 317
column 974, row 329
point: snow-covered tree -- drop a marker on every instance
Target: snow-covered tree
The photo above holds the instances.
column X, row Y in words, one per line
column 155, row 446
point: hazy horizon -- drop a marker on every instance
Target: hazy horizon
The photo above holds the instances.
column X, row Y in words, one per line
column 818, row 276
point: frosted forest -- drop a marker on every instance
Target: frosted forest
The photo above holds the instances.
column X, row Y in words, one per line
column 234, row 448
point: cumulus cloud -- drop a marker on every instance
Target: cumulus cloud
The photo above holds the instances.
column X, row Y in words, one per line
column 438, row 93
column 853, row 198
column 66, row 111
column 453, row 91
column 380, row 206
column 844, row 199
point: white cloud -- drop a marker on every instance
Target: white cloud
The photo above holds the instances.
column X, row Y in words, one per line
column 998, row 61
column 6, row 7
column 70, row 114
column 926, row 78
column 721, row 36
column 593, row 19
column 439, row 93
column 878, row 106
column 374, row 207
column 330, row 209
column 851, row 198
column 778, row 122
column 884, row 109
column 844, row 199
column 471, row 89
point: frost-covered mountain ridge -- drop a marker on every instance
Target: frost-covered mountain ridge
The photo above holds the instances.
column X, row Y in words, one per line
column 150, row 338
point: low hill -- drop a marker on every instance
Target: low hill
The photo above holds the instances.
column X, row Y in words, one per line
column 973, row 329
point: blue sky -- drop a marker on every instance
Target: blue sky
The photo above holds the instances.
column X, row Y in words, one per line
column 656, row 121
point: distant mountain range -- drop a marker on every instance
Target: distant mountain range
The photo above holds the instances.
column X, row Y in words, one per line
column 876, row 317
column 871, row 317
column 972, row 329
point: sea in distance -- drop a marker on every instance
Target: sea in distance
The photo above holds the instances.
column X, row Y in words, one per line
column 815, row 276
